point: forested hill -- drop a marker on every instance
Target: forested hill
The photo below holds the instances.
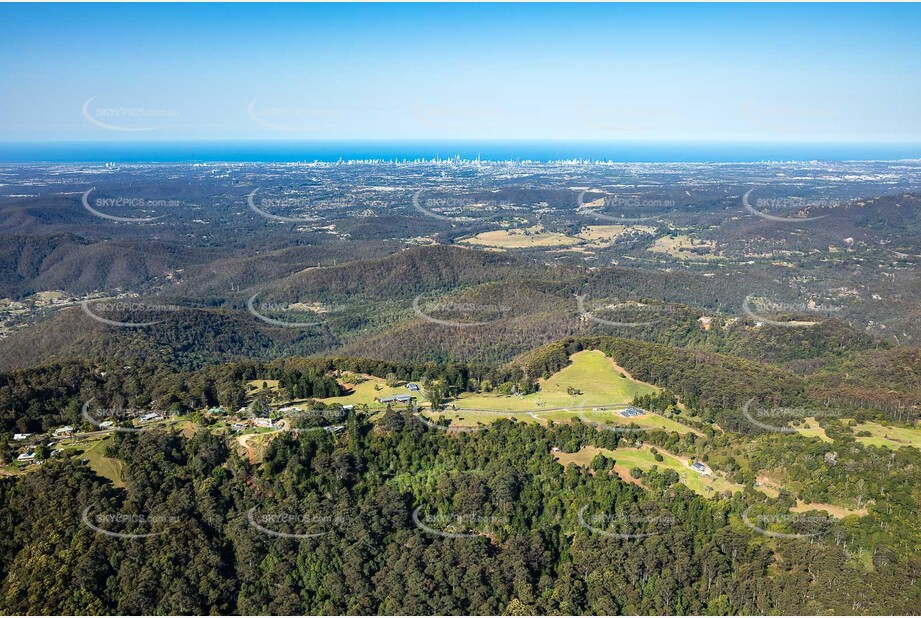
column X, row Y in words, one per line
column 371, row 308
column 524, row 535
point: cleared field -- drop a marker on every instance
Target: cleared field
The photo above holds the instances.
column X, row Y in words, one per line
column 106, row 467
column 365, row 392
column 838, row 512
column 812, row 429
column 601, row 234
column 893, row 437
column 652, row 421
column 595, row 379
column 627, row 458
column 768, row 486
column 584, row 456
column 699, row 483
column 521, row 238
column 254, row 386
column 472, row 419
column 685, row 247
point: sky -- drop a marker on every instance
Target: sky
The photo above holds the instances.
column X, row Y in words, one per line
column 782, row 72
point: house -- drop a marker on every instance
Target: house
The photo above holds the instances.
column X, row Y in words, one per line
column 106, row 424
column 217, row 411
column 151, row 417
column 398, row 399
column 334, row 428
column 631, row 412
column 412, row 386
column 264, row 422
column 64, row 431
column 29, row 455
column 706, row 322
column 348, row 408
column 239, row 426
column 700, row 467
column 19, row 437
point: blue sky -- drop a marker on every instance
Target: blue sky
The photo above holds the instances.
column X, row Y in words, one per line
column 607, row 72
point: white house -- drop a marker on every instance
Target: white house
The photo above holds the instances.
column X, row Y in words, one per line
column 19, row 437
column 700, row 467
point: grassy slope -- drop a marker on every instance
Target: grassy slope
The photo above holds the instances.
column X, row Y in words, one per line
column 591, row 372
column 628, row 457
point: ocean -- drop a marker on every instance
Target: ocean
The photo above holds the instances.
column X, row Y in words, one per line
column 331, row 151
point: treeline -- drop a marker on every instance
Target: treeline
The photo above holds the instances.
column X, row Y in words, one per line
column 531, row 548
column 39, row 399
column 710, row 385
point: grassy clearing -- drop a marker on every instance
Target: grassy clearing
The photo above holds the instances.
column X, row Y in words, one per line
column 771, row 486
column 810, row 428
column 684, row 248
column 106, row 467
column 838, row 512
column 520, row 238
column 598, row 380
column 601, row 235
column 467, row 418
column 365, row 392
column 473, row 419
column 627, row 458
column 584, row 456
column 768, row 486
column 893, row 436
column 613, row 417
column 254, row 386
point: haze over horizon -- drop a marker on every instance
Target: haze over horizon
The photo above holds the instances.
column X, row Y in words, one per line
column 615, row 73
